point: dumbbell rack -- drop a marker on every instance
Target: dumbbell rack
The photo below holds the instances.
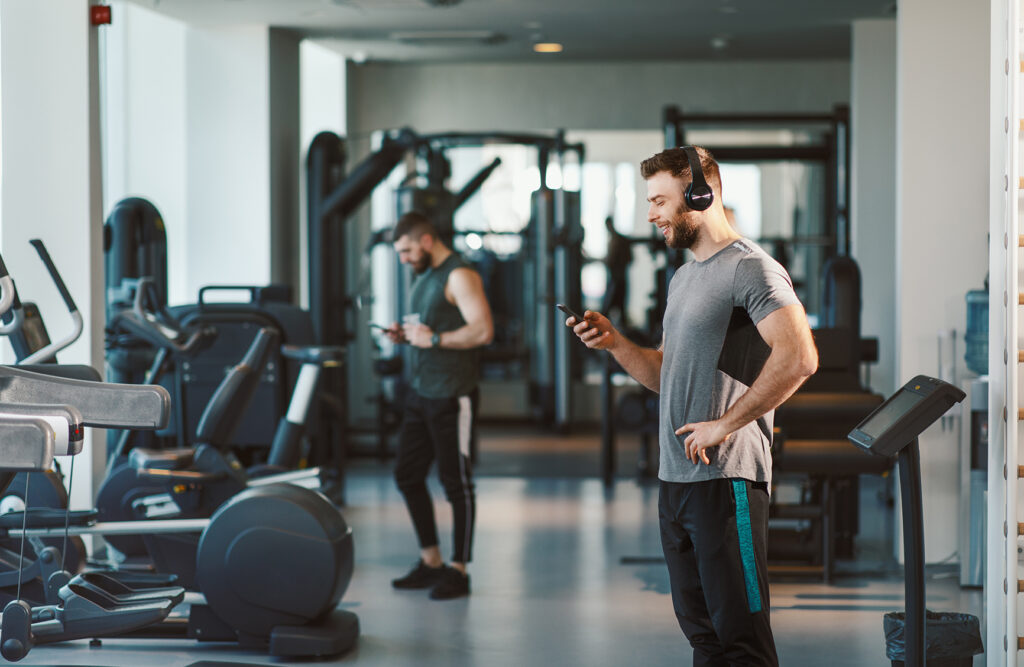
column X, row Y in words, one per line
column 1004, row 579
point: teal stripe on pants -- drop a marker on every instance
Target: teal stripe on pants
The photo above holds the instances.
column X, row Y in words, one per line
column 746, row 540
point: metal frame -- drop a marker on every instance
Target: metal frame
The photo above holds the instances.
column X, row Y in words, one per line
column 834, row 152
column 333, row 197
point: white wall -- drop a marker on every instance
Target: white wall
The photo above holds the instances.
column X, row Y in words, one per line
column 227, row 157
column 942, row 213
column 143, row 71
column 51, row 186
column 322, row 85
column 873, row 187
column 581, row 96
column 322, row 92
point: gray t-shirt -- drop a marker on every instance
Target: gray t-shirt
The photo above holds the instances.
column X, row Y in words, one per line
column 712, row 353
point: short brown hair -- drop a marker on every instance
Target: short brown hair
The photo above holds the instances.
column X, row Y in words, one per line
column 673, row 160
column 413, row 224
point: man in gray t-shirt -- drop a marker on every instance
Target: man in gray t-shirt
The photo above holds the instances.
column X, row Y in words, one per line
column 712, row 354
column 736, row 345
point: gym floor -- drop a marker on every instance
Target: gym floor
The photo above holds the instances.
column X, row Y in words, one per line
column 550, row 583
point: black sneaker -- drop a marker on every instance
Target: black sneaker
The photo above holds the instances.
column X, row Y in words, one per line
column 451, row 584
column 420, row 576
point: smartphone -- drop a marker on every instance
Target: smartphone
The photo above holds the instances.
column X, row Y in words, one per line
column 374, row 325
column 568, row 311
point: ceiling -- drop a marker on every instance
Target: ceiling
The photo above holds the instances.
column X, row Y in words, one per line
column 505, row 30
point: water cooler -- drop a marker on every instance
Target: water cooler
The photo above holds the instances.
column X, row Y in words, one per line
column 974, row 443
column 974, row 485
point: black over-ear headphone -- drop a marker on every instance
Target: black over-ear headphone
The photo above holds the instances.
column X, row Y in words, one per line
column 698, row 195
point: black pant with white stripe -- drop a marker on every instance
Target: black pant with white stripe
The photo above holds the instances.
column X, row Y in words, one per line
column 713, row 534
column 438, row 429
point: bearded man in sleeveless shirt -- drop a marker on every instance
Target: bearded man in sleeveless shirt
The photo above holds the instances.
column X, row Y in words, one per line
column 454, row 323
column 736, row 344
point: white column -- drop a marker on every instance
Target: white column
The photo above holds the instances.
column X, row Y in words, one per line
column 228, row 176
column 873, row 180
column 283, row 102
column 942, row 200
column 52, row 190
column 322, row 92
column 1001, row 557
column 143, row 61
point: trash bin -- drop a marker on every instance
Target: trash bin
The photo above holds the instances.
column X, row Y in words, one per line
column 951, row 639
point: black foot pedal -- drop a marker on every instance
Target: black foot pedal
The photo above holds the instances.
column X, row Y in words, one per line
column 334, row 635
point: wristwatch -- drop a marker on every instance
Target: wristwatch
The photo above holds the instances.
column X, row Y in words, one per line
column 435, row 339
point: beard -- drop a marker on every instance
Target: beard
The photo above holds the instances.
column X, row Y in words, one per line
column 421, row 265
column 684, row 231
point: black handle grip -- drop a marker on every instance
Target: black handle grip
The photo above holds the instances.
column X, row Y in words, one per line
column 251, row 289
column 54, row 274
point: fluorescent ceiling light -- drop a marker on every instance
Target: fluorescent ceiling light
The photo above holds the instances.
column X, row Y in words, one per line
column 547, row 47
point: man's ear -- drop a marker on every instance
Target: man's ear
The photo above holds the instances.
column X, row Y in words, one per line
column 427, row 242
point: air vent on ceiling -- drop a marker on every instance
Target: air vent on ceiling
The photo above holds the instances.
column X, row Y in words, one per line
column 448, row 36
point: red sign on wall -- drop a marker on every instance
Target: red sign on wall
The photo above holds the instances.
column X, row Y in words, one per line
column 99, row 14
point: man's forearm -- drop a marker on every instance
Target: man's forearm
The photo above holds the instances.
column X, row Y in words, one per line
column 778, row 380
column 467, row 337
column 642, row 363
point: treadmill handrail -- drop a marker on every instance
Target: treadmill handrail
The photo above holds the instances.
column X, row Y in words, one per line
column 102, row 404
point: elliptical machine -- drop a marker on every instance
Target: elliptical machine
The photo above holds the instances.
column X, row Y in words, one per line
column 299, row 535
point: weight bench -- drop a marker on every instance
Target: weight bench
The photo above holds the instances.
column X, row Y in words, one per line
column 810, row 439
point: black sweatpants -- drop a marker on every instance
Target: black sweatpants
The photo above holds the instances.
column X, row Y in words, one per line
column 438, row 429
column 713, row 534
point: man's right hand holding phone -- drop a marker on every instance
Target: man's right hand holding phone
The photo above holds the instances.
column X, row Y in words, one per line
column 395, row 333
column 595, row 330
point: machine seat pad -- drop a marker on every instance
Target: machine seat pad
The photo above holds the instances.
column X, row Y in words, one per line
column 829, row 457
column 164, row 459
column 837, row 400
column 47, row 517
